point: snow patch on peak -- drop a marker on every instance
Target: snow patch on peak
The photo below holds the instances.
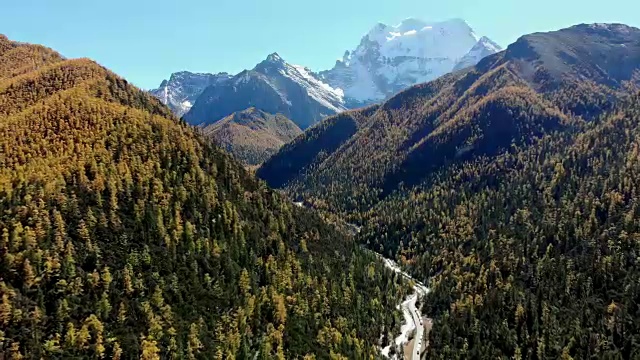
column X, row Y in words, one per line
column 600, row 26
column 411, row 24
column 275, row 57
column 483, row 48
column 325, row 95
column 184, row 87
column 489, row 44
column 243, row 78
column 613, row 27
column 413, row 37
column 393, row 35
column 319, row 91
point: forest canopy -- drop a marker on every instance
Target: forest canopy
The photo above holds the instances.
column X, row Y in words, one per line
column 124, row 234
column 509, row 188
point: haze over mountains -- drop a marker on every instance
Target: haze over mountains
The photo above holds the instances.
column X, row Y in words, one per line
column 387, row 60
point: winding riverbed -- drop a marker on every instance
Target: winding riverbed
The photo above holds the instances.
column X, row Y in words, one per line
column 412, row 316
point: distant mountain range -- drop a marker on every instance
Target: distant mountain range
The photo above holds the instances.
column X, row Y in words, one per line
column 274, row 86
column 387, row 60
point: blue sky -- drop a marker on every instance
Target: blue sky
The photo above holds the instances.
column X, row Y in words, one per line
column 145, row 41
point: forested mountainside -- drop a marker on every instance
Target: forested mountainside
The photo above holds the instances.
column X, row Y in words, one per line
column 532, row 254
column 252, row 135
column 511, row 188
column 541, row 84
column 126, row 235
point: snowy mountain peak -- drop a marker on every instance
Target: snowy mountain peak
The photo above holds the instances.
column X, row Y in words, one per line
column 410, row 24
column 489, row 44
column 316, row 89
column 188, row 75
column 483, row 48
column 275, row 58
column 457, row 22
column 274, row 86
column 411, row 27
column 377, row 31
column 183, row 88
column 387, row 60
column 391, row 58
column 273, row 63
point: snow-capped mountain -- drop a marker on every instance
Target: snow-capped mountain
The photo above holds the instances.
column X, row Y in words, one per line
column 389, row 59
column 274, row 86
column 483, row 48
column 392, row 58
column 183, row 88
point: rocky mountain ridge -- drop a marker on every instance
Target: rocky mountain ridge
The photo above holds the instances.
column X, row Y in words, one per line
column 183, row 88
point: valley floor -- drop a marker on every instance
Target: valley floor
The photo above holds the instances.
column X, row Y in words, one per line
column 413, row 319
